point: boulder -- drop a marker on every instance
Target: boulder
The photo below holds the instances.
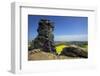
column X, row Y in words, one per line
column 74, row 52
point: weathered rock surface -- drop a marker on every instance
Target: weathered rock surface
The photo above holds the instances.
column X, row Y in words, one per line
column 73, row 51
column 41, row 55
column 45, row 37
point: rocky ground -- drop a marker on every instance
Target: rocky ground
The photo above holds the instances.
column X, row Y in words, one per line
column 40, row 55
column 70, row 52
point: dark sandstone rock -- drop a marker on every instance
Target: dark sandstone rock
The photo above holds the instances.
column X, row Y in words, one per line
column 74, row 52
column 45, row 37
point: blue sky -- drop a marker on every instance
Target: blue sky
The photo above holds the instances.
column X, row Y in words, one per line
column 67, row 28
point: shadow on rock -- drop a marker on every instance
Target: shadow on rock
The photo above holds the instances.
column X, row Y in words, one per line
column 74, row 52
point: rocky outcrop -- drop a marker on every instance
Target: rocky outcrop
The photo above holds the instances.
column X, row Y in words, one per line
column 73, row 51
column 41, row 55
column 45, row 37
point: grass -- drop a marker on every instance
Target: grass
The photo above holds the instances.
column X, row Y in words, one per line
column 59, row 48
column 84, row 46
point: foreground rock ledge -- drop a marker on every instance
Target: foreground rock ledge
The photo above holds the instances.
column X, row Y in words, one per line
column 41, row 55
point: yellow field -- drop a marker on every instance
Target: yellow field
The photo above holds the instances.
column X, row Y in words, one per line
column 59, row 48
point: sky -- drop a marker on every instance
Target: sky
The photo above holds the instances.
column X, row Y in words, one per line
column 67, row 28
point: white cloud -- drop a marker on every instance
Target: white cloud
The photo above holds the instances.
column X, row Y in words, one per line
column 71, row 38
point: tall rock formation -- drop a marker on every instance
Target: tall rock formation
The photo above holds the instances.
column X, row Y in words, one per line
column 45, row 37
